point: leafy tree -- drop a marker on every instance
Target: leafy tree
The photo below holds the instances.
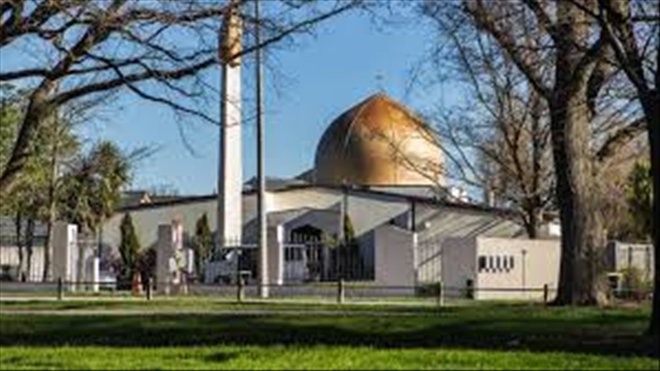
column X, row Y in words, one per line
column 203, row 244
column 129, row 249
column 350, row 258
column 146, row 265
column 32, row 198
column 640, row 200
column 92, row 186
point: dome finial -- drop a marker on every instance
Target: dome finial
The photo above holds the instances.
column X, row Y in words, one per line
column 379, row 83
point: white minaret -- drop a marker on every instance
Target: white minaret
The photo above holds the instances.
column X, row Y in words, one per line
column 230, row 176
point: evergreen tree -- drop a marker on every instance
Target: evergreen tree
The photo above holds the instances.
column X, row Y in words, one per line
column 203, row 244
column 640, row 200
column 129, row 249
column 349, row 250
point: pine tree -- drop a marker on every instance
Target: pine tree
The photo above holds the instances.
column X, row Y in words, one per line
column 203, row 241
column 350, row 256
column 129, row 249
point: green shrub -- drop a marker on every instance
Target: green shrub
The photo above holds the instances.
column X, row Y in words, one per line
column 633, row 284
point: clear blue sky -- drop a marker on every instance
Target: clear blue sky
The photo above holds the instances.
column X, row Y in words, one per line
column 316, row 81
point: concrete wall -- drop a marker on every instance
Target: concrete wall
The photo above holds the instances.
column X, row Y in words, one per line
column 535, row 263
column 9, row 257
column 275, row 238
column 146, row 221
column 458, row 264
column 367, row 210
column 511, row 265
column 436, row 224
column 394, row 256
column 320, row 207
column 429, row 261
column 621, row 255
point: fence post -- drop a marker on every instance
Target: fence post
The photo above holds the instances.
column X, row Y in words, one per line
column 240, row 294
column 340, row 291
column 469, row 289
column 440, row 295
column 149, row 288
column 545, row 294
column 60, row 288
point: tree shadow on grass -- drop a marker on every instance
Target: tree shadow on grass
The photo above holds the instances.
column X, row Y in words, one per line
column 613, row 335
column 221, row 357
column 39, row 364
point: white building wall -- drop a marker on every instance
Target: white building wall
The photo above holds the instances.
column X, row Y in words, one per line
column 537, row 266
column 536, row 263
column 458, row 265
column 9, row 257
column 437, row 224
column 395, row 257
column 369, row 212
column 315, row 198
column 275, row 238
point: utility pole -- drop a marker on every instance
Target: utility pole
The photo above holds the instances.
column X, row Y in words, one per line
column 261, row 178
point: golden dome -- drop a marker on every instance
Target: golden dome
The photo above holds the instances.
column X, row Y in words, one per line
column 378, row 142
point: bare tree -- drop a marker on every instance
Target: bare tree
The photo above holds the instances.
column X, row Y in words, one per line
column 630, row 27
column 499, row 140
column 565, row 61
column 158, row 50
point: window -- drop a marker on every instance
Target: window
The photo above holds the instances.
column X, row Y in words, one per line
column 495, row 263
column 482, row 263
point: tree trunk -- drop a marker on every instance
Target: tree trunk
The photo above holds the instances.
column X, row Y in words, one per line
column 51, row 198
column 82, row 241
column 45, row 276
column 651, row 108
column 532, row 221
column 18, row 221
column 536, row 212
column 579, row 221
column 36, row 111
column 29, row 243
column 581, row 234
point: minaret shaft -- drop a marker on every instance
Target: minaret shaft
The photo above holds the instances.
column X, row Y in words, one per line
column 230, row 177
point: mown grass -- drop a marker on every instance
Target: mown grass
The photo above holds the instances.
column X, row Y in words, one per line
column 303, row 357
column 210, row 303
column 481, row 337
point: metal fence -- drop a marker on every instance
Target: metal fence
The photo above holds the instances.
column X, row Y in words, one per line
column 33, row 258
column 301, row 261
column 310, row 268
column 339, row 292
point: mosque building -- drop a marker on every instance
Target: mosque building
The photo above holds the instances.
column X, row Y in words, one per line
column 379, row 168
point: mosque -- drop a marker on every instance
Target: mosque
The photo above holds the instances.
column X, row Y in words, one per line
column 379, row 166
column 375, row 208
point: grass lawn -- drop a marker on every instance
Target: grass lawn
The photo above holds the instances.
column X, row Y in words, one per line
column 205, row 304
column 479, row 337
